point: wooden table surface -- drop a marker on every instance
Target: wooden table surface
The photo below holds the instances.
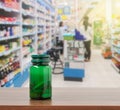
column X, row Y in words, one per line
column 62, row 99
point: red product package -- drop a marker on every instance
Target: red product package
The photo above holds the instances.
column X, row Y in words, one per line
column 1, row 19
column 13, row 19
column 15, row 4
column 10, row 19
column 8, row 3
column 6, row 19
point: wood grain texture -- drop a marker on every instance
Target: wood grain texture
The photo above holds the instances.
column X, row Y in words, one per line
column 59, row 108
column 62, row 99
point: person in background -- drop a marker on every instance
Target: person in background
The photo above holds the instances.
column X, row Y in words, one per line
column 61, row 33
column 87, row 33
column 66, row 27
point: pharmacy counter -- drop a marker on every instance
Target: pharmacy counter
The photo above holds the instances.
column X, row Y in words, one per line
column 62, row 99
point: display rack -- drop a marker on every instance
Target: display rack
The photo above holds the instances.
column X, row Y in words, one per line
column 74, row 68
column 115, row 35
column 9, row 41
column 53, row 28
column 116, row 46
column 44, row 25
column 116, row 52
column 40, row 27
column 28, row 31
column 25, row 29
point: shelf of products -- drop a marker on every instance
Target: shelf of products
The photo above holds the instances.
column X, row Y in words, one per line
column 9, row 37
column 40, row 29
column 41, row 23
column 7, row 52
column 28, row 45
column 48, row 30
column 116, row 48
column 116, row 56
column 23, row 27
column 10, row 6
column 115, row 41
column 40, row 8
column 53, row 29
column 27, row 62
column 28, row 34
column 115, row 36
column 28, row 22
column 75, row 51
column 4, row 20
column 9, row 40
column 29, row 3
column 27, row 10
column 40, row 43
column 6, row 31
column 9, row 67
column 8, row 47
column 28, row 30
column 116, row 53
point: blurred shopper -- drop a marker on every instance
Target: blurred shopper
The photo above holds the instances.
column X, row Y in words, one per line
column 87, row 33
column 61, row 36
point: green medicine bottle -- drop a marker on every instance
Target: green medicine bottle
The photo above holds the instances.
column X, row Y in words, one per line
column 40, row 78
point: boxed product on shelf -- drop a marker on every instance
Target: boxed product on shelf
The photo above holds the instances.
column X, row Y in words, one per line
column 41, row 21
column 40, row 29
column 29, row 21
column 27, row 42
column 2, row 48
column 27, row 30
column 26, row 50
column 27, row 9
column 28, row 45
column 40, row 36
column 5, row 46
column 16, row 30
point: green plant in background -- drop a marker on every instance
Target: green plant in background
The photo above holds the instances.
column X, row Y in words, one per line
column 98, row 33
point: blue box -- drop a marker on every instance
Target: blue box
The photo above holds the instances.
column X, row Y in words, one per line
column 74, row 73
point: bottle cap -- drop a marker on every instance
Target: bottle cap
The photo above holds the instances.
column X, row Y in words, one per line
column 42, row 56
column 40, row 61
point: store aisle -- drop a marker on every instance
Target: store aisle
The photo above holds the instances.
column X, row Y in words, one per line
column 98, row 74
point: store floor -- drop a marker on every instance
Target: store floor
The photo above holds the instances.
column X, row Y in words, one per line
column 99, row 73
